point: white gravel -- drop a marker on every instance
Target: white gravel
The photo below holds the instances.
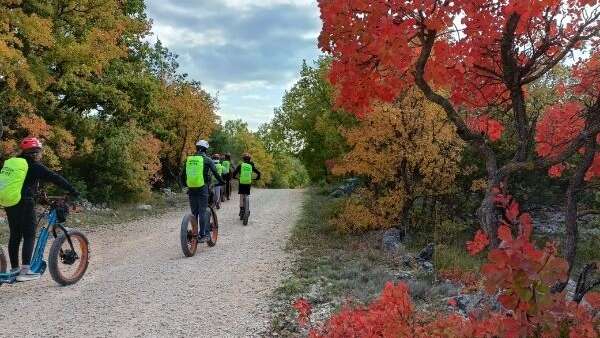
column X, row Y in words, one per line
column 139, row 284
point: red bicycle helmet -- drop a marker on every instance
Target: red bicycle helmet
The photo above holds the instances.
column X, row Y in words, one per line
column 30, row 144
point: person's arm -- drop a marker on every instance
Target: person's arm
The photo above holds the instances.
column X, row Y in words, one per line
column 256, row 171
column 46, row 175
column 236, row 172
column 213, row 169
column 183, row 178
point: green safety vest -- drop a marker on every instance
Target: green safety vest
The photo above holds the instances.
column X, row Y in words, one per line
column 194, row 171
column 246, row 173
column 226, row 167
column 219, row 167
column 12, row 178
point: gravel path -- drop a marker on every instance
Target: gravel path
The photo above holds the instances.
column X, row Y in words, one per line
column 139, row 284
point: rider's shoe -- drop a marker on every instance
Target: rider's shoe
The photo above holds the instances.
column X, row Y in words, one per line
column 15, row 271
column 28, row 275
column 202, row 239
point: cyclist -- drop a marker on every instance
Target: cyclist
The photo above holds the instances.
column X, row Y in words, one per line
column 19, row 183
column 227, row 175
column 245, row 170
column 216, row 187
column 196, row 177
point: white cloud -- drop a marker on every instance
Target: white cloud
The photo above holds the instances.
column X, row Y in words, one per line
column 248, row 4
column 246, row 86
column 174, row 36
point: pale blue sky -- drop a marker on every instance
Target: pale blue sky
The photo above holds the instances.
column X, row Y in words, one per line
column 247, row 51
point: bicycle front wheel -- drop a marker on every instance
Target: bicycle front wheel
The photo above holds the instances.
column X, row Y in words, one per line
column 68, row 261
column 189, row 235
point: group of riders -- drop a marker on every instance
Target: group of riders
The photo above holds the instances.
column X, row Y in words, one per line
column 20, row 178
column 205, row 178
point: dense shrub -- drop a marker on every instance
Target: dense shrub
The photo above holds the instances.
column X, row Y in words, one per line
column 521, row 274
column 123, row 166
column 407, row 152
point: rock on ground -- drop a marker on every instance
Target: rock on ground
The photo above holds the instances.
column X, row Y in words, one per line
column 139, row 284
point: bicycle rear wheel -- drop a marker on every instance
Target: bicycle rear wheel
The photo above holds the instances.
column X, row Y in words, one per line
column 189, row 235
column 68, row 263
column 214, row 227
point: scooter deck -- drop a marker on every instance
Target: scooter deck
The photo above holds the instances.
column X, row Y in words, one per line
column 8, row 277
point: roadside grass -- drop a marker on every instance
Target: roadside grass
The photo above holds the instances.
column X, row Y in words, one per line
column 330, row 269
column 116, row 214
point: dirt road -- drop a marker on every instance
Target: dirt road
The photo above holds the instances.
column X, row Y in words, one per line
column 139, row 284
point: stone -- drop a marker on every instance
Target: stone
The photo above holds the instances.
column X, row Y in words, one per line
column 145, row 207
column 408, row 262
column 404, row 275
column 427, row 267
column 427, row 253
column 347, row 187
column 392, row 240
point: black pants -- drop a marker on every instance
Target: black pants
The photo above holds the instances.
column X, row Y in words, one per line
column 227, row 178
column 21, row 222
column 198, row 204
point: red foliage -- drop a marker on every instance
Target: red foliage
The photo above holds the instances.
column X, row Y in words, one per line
column 304, row 310
column 469, row 279
column 593, row 298
column 487, row 126
column 479, row 243
column 376, row 44
column 557, row 128
column 517, row 271
column 556, row 170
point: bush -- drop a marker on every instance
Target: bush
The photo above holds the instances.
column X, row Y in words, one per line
column 516, row 272
column 123, row 166
column 289, row 172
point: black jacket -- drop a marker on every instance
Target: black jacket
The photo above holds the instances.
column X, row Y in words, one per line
column 236, row 172
column 209, row 166
column 37, row 173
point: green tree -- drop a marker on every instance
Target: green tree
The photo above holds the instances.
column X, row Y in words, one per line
column 306, row 124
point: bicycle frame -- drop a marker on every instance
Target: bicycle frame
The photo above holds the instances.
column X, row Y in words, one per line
column 38, row 264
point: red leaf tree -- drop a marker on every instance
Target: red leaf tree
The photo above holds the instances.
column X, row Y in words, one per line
column 474, row 58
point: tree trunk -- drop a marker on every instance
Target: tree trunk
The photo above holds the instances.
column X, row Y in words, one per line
column 488, row 216
column 405, row 216
column 571, row 198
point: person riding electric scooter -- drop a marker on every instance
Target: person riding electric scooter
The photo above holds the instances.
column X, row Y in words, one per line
column 196, row 177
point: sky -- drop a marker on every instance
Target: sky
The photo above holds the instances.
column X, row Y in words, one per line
column 248, row 52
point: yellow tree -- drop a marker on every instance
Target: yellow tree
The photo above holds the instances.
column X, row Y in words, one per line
column 190, row 114
column 261, row 158
column 406, row 151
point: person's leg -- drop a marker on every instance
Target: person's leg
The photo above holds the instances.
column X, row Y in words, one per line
column 241, row 204
column 228, row 186
column 202, row 205
column 28, row 234
column 195, row 209
column 218, row 196
column 13, row 214
column 194, row 204
column 28, row 231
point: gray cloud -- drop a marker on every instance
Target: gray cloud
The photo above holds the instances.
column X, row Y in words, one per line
column 248, row 51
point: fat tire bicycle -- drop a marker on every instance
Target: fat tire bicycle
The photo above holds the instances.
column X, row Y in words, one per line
column 61, row 259
column 190, row 224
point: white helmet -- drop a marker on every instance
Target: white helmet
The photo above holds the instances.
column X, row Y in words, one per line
column 202, row 143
